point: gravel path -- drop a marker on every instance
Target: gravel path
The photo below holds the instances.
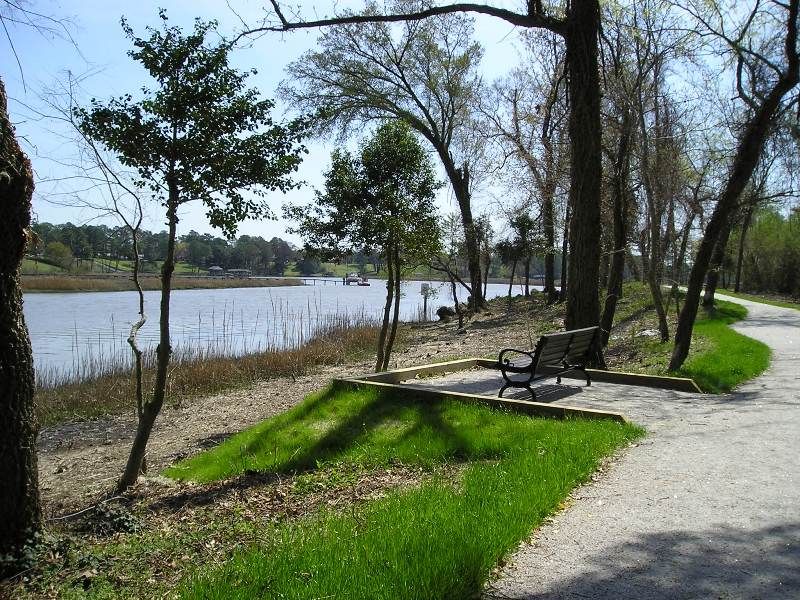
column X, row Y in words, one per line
column 707, row 506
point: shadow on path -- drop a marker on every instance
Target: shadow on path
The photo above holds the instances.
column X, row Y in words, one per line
column 723, row 562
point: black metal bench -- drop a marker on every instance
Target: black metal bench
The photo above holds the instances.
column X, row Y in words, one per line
column 555, row 353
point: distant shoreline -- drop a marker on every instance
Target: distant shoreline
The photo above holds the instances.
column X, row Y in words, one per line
column 117, row 283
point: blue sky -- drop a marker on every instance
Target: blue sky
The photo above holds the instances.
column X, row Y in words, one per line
column 100, row 49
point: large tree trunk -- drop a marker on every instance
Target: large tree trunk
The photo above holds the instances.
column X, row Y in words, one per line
column 748, row 152
column 19, row 501
column 152, row 408
column 748, row 216
column 582, row 31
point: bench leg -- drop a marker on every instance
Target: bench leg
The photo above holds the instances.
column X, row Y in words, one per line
column 503, row 389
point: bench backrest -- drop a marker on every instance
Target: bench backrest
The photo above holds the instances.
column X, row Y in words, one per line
column 569, row 346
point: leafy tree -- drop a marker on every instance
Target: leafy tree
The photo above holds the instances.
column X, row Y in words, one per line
column 381, row 199
column 199, row 136
column 282, row 255
column 578, row 22
column 425, row 74
column 58, row 254
column 768, row 69
column 309, row 264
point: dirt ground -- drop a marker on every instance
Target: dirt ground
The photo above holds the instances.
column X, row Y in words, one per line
column 79, row 462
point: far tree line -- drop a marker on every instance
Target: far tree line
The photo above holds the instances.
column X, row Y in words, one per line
column 71, row 246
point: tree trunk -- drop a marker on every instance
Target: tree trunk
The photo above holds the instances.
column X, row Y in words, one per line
column 19, row 501
column 163, row 352
column 460, row 180
column 527, row 276
column 138, row 370
column 387, row 308
column 748, row 152
column 549, row 230
column 620, row 213
column 717, row 259
column 581, row 36
column 511, row 279
column 486, row 275
column 396, row 315
column 562, row 293
column 748, row 215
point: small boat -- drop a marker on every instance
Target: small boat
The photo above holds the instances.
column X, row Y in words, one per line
column 363, row 281
column 352, row 278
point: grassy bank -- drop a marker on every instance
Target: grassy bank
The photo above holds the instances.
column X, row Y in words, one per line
column 116, row 283
column 195, row 373
column 440, row 540
column 782, row 302
column 719, row 358
column 455, row 487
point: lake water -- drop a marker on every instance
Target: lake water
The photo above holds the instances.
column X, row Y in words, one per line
column 71, row 331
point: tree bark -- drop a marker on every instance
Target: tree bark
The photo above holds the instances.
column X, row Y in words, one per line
column 511, row 279
column 396, row 314
column 387, row 308
column 748, row 152
column 582, row 31
column 717, row 259
column 19, row 501
column 620, row 214
column 152, row 408
column 562, row 293
column 548, row 218
column 748, row 216
column 527, row 276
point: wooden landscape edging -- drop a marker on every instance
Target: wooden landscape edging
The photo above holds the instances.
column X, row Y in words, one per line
column 677, row 384
column 392, row 380
column 520, row 406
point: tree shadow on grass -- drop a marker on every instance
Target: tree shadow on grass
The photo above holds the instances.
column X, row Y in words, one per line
column 349, row 431
column 722, row 562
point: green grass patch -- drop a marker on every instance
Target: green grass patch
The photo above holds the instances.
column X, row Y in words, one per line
column 728, row 358
column 36, row 266
column 719, row 357
column 438, row 540
column 772, row 301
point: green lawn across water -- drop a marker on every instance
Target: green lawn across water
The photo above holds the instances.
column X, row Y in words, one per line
column 441, row 539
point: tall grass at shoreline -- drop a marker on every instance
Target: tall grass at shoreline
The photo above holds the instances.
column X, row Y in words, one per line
column 101, row 383
column 118, row 283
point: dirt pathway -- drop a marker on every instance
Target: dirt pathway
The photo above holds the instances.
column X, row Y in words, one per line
column 707, row 506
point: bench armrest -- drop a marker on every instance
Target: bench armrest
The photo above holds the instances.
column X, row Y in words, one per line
column 507, row 364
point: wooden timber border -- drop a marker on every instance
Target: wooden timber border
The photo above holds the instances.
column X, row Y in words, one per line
column 393, row 381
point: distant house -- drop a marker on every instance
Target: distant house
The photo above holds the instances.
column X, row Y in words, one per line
column 216, row 271
column 240, row 273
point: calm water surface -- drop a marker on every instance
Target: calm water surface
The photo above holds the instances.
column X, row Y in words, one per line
column 72, row 331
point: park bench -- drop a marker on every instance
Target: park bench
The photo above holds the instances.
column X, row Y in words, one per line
column 554, row 355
